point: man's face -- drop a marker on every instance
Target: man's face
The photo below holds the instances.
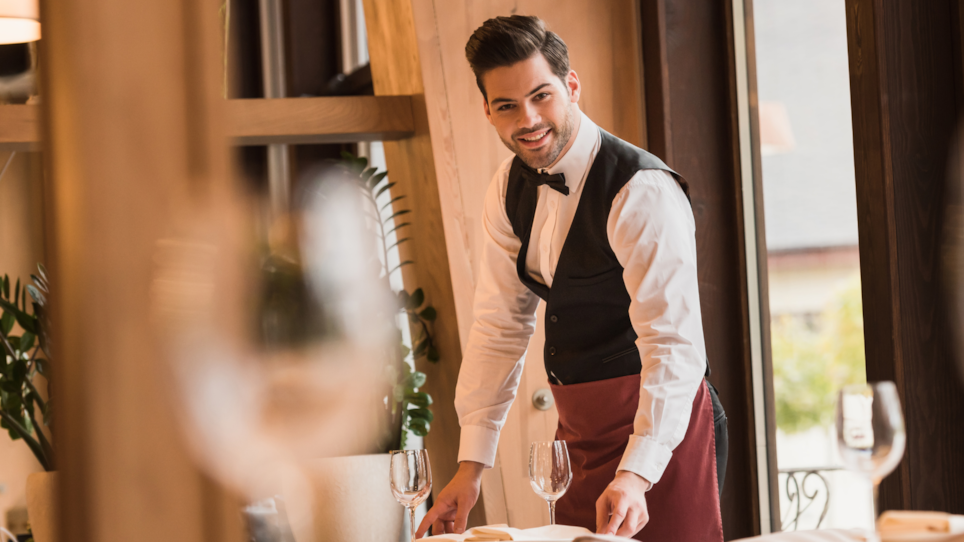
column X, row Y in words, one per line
column 532, row 109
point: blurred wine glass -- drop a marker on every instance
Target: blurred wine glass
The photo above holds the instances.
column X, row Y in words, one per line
column 549, row 472
column 870, row 431
column 411, row 479
column 277, row 329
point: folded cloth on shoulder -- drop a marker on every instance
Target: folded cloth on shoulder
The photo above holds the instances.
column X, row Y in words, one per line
column 896, row 522
column 504, row 533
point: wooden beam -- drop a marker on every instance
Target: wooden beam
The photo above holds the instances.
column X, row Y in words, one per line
column 262, row 122
column 320, row 120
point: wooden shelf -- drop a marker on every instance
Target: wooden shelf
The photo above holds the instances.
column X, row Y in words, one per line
column 263, row 122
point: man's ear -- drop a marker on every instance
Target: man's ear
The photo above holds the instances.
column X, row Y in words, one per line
column 575, row 87
column 488, row 113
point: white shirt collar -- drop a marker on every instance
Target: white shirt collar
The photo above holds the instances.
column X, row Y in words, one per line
column 575, row 163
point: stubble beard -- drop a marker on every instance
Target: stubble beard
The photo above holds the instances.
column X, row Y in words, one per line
column 539, row 160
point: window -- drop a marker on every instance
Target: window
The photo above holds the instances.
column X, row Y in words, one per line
column 816, row 325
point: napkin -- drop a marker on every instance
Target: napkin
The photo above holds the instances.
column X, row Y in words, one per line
column 504, row 533
column 904, row 521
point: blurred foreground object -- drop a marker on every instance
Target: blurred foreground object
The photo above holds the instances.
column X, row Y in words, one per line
column 870, row 431
column 897, row 522
column 276, row 339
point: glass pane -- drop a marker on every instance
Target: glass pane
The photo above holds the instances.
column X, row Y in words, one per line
column 814, row 273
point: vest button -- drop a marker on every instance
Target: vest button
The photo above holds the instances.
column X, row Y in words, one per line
column 552, row 350
column 553, row 319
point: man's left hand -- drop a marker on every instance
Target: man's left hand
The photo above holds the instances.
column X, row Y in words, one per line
column 621, row 509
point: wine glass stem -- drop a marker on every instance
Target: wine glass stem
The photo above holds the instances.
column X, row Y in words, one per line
column 411, row 520
column 876, row 502
column 552, row 512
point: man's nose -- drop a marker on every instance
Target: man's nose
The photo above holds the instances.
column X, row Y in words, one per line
column 530, row 117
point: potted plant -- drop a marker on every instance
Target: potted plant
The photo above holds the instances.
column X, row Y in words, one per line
column 25, row 344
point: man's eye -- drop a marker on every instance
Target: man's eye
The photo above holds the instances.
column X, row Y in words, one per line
column 505, row 107
column 542, row 95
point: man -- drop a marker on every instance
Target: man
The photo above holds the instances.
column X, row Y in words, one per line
column 603, row 232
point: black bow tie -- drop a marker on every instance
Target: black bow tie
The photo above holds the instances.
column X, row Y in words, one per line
column 556, row 182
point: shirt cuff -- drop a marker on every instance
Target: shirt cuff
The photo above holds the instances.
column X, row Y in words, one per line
column 478, row 444
column 645, row 457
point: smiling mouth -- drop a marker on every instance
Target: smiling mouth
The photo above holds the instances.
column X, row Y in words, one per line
column 532, row 138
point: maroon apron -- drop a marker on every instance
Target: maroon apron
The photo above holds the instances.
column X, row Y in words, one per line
column 596, row 420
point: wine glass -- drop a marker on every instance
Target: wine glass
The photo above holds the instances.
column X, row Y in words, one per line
column 549, row 472
column 870, row 431
column 411, row 477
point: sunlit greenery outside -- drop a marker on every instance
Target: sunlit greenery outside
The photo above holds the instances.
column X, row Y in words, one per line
column 813, row 357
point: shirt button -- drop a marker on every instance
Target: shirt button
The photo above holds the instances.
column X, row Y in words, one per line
column 552, row 350
column 553, row 318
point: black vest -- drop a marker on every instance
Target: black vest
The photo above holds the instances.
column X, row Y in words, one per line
column 589, row 335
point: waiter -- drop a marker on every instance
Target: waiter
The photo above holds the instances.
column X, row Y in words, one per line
column 603, row 233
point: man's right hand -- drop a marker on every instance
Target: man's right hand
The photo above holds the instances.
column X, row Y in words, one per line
column 451, row 510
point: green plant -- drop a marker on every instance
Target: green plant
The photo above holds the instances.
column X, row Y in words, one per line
column 406, row 406
column 813, row 359
column 25, row 355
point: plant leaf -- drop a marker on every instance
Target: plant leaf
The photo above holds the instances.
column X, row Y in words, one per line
column 6, row 322
column 393, row 200
column 377, row 178
column 419, row 426
column 419, row 399
column 422, row 414
column 367, row 174
column 26, row 341
column 432, row 355
column 26, row 321
column 403, row 298
column 420, row 349
column 383, row 189
column 416, row 300
column 395, row 214
column 36, row 295
column 396, row 243
column 417, row 379
column 398, row 226
column 401, row 265
column 428, row 314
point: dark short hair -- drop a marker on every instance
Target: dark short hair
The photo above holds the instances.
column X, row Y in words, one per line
column 504, row 41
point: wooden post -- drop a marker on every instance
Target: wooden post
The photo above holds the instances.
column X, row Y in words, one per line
column 396, row 69
column 905, row 68
column 132, row 113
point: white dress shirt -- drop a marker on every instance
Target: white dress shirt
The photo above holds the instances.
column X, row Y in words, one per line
column 652, row 232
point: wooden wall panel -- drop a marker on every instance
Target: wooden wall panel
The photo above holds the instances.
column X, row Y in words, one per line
column 132, row 112
column 905, row 95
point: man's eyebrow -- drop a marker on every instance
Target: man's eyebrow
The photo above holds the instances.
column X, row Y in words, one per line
column 531, row 92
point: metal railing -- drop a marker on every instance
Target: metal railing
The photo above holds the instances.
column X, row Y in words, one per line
column 803, row 488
